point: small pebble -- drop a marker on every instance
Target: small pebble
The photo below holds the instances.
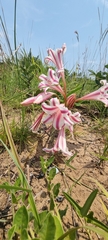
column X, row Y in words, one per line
column 59, row 199
column 41, row 175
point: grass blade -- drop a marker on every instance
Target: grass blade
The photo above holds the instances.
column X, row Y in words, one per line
column 14, row 155
column 88, row 203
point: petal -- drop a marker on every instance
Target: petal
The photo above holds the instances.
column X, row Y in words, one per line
column 67, row 153
column 37, row 123
column 43, row 85
column 67, row 121
column 104, row 82
column 28, row 101
column 99, row 95
column 64, row 48
column 43, row 77
column 49, row 109
column 54, row 149
column 37, row 99
column 62, row 142
column 54, row 102
column 75, row 117
column 48, row 119
column 51, row 81
column 58, row 121
column 105, row 101
column 56, row 57
column 52, row 76
column 59, row 89
column 48, row 150
column 41, row 97
column 64, row 110
column 51, row 57
column 62, row 139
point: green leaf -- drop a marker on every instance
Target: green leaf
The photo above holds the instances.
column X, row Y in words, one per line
column 106, row 66
column 75, row 205
column 104, row 208
column 52, row 173
column 59, row 229
column 10, row 139
column 82, row 211
column 11, row 232
column 36, row 239
column 56, row 189
column 92, row 72
column 43, row 216
column 74, row 90
column 63, row 212
column 99, row 231
column 24, row 235
column 17, row 182
column 94, row 221
column 67, row 162
column 14, row 199
column 69, row 235
column 24, row 197
column 70, row 159
column 9, row 187
column 101, row 187
column 34, row 209
column 49, row 161
column 88, row 203
column 21, row 219
column 43, row 164
column 72, row 235
column 51, row 204
column 47, row 232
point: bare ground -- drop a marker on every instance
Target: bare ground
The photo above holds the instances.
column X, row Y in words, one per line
column 87, row 144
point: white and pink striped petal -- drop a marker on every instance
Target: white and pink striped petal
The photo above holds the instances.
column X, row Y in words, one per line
column 41, row 97
column 100, row 95
column 51, row 81
column 75, row 117
column 56, row 57
column 60, row 144
column 37, row 123
column 58, row 120
column 49, row 109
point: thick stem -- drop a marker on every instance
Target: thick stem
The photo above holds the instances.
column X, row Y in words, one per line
column 64, row 86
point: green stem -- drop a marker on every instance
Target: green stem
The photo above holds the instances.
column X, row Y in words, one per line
column 65, row 89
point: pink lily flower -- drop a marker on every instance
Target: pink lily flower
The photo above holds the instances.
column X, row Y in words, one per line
column 50, row 81
column 60, row 144
column 56, row 114
column 100, row 95
column 56, row 57
column 37, row 123
column 61, row 118
column 41, row 97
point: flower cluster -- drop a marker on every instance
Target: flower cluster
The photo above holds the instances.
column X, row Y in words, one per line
column 58, row 114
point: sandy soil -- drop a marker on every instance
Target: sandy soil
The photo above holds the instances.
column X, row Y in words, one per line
column 86, row 145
